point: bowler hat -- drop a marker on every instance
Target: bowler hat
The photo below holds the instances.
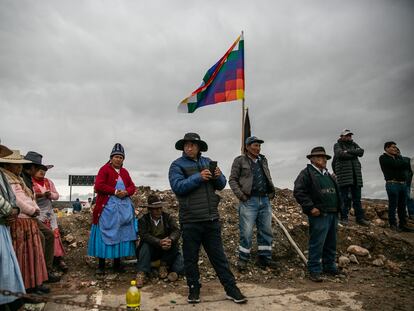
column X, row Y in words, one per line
column 318, row 151
column 36, row 159
column 194, row 138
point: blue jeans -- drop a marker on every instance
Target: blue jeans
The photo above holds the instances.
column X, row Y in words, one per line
column 172, row 258
column 348, row 194
column 410, row 201
column 397, row 200
column 208, row 234
column 322, row 242
column 256, row 210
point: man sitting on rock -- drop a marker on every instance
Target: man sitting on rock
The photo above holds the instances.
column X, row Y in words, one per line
column 158, row 235
column 318, row 194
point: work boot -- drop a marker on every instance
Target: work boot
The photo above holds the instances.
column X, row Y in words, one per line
column 141, row 279
column 242, row 265
column 52, row 277
column 194, row 294
column 264, row 262
column 163, row 272
column 315, row 277
column 363, row 222
column 172, row 276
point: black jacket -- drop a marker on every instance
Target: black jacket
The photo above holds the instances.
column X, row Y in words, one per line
column 394, row 168
column 170, row 228
column 307, row 191
column 346, row 165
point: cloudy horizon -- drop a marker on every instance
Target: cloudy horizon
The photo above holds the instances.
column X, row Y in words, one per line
column 76, row 77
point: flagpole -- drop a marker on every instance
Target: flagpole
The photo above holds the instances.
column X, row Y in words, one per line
column 242, row 128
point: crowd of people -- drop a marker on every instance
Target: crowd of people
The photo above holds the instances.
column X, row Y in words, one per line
column 31, row 248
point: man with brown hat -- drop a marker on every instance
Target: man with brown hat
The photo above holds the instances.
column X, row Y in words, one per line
column 158, row 235
column 194, row 180
column 317, row 192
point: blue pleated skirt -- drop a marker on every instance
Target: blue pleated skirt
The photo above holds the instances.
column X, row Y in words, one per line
column 10, row 276
column 97, row 247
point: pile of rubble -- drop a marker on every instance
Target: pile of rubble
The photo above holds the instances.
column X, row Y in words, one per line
column 375, row 246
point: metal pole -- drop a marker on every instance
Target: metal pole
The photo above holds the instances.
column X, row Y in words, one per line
column 242, row 128
column 70, row 194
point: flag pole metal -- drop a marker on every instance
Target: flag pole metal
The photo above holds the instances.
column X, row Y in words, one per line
column 242, row 128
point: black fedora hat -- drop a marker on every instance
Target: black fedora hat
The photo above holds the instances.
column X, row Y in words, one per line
column 317, row 152
column 36, row 159
column 154, row 201
column 193, row 137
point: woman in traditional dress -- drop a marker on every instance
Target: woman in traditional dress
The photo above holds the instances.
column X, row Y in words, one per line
column 10, row 276
column 113, row 232
column 24, row 230
column 45, row 192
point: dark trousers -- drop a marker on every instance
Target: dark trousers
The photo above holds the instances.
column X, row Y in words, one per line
column 147, row 253
column 352, row 194
column 208, row 234
column 397, row 200
column 48, row 242
column 322, row 242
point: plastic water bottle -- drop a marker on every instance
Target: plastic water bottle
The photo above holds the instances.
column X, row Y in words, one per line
column 133, row 297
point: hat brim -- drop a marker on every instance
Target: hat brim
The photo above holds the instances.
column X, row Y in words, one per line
column 157, row 205
column 45, row 167
column 256, row 141
column 179, row 145
column 327, row 156
column 4, row 151
column 13, row 161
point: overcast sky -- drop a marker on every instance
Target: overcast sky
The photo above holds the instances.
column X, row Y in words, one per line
column 78, row 76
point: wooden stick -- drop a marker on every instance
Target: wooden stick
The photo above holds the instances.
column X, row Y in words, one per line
column 292, row 242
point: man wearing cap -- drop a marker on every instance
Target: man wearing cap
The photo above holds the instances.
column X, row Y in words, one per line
column 46, row 234
column 194, row 186
column 252, row 184
column 318, row 194
column 158, row 235
column 347, row 169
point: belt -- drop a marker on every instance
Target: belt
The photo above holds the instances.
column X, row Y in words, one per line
column 396, row 182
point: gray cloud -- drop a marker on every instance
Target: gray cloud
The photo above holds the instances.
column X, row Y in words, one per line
column 76, row 77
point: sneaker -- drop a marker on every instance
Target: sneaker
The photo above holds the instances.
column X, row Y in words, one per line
column 233, row 293
column 315, row 277
column 264, row 262
column 163, row 272
column 172, row 276
column 193, row 294
column 363, row 222
column 241, row 265
column 52, row 277
column 140, row 279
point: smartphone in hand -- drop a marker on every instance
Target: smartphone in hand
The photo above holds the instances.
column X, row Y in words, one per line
column 212, row 167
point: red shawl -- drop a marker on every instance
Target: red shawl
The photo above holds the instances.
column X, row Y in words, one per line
column 105, row 187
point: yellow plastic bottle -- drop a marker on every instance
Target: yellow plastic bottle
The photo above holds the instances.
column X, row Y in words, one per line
column 133, row 297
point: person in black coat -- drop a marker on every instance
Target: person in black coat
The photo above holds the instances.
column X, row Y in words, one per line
column 158, row 240
column 317, row 192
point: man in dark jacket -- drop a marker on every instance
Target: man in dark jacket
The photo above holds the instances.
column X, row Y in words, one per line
column 195, row 185
column 347, row 169
column 394, row 169
column 158, row 236
column 318, row 194
column 252, row 184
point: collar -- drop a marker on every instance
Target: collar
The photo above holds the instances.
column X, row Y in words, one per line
column 156, row 222
column 322, row 172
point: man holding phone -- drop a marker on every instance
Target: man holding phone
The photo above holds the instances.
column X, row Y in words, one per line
column 252, row 184
column 194, row 179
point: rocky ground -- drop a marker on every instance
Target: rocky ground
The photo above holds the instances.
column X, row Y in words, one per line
column 380, row 270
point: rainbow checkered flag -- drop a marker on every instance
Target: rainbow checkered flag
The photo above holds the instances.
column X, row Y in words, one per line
column 222, row 83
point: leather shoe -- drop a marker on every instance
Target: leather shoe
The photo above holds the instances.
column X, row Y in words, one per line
column 52, row 277
column 315, row 277
column 405, row 228
column 363, row 222
column 264, row 262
